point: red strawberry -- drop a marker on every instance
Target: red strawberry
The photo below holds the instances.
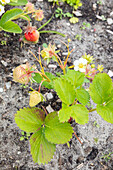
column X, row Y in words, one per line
column 31, row 34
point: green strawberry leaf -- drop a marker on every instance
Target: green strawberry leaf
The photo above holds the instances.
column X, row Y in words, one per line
column 110, row 97
column 25, row 17
column 106, row 112
column 10, row 26
column 18, row 3
column 75, row 77
column 10, row 15
column 55, row 131
column 46, row 84
column 30, row 119
column 77, row 112
column 101, row 88
column 42, row 151
column 82, row 96
column 65, row 91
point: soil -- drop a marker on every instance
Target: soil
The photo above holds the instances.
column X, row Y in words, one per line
column 96, row 135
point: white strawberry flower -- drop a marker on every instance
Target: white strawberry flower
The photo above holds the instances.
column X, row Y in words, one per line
column 4, row 1
column 80, row 65
column 1, row 10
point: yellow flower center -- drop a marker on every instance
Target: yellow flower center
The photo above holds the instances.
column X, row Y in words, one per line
column 3, row 1
column 0, row 10
column 81, row 65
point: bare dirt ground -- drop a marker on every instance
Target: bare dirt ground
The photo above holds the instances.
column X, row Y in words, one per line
column 97, row 135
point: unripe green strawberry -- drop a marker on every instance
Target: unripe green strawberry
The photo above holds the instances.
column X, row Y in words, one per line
column 19, row 72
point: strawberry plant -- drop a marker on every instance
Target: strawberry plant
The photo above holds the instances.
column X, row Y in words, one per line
column 54, row 128
column 31, row 33
column 74, row 3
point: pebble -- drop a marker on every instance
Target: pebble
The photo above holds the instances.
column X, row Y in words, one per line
column 49, row 96
column 109, row 21
column 25, row 61
column 8, row 85
column 4, row 63
column 49, row 109
column 68, row 24
column 59, row 46
column 65, row 53
column 18, row 152
column 94, row 6
column 110, row 73
column 111, row 14
column 1, row 89
column 52, row 66
column 59, row 101
column 99, row 17
column 109, row 31
column 77, row 13
column 80, row 166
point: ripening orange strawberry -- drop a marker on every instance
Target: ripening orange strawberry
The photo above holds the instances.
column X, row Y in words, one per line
column 31, row 34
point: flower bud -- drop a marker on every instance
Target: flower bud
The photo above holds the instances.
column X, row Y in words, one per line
column 29, row 7
column 39, row 15
column 48, row 52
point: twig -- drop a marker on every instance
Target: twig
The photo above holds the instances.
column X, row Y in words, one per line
column 77, row 138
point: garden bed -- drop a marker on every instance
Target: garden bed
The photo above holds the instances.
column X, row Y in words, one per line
column 96, row 135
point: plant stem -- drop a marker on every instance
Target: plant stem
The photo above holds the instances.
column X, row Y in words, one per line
column 77, row 138
column 91, row 110
column 51, row 31
column 44, row 110
column 40, row 61
column 40, row 85
column 45, row 23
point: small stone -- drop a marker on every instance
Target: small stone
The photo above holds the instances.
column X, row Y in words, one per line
column 77, row 13
column 109, row 21
column 109, row 31
column 49, row 109
column 87, row 150
column 8, row 85
column 59, row 101
column 68, row 24
column 52, row 66
column 110, row 139
column 80, row 166
column 18, row 152
column 49, row 96
column 1, row 89
column 25, row 61
column 94, row 6
column 4, row 63
column 59, row 45
column 110, row 73
column 65, row 53
column 111, row 14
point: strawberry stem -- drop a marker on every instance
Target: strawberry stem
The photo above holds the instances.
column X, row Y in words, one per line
column 50, row 31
